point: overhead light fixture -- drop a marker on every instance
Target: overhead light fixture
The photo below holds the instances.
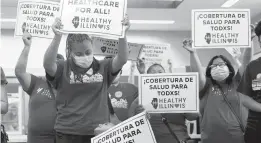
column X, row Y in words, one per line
column 229, row 3
column 152, row 21
column 7, row 20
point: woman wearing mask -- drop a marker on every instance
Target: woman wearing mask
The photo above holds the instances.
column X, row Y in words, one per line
column 42, row 107
column 175, row 121
column 82, row 84
column 220, row 105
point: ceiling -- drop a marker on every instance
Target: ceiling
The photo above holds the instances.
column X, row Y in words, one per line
column 177, row 10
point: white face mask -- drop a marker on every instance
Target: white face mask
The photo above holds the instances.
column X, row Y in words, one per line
column 83, row 61
column 220, row 73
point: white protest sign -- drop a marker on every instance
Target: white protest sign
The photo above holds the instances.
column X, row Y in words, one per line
column 156, row 53
column 36, row 17
column 134, row 130
column 169, row 93
column 94, row 17
column 107, row 47
column 219, row 28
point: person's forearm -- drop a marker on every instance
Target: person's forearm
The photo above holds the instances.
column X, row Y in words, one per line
column 122, row 56
column 196, row 66
column 21, row 64
column 123, row 50
column 250, row 103
column 51, row 53
column 131, row 77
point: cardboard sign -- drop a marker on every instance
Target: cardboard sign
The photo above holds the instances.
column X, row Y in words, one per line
column 36, row 17
column 94, row 17
column 156, row 53
column 169, row 93
column 107, row 47
column 219, row 28
column 134, row 130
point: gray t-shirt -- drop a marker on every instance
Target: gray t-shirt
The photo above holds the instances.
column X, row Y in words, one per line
column 82, row 100
column 42, row 112
column 218, row 123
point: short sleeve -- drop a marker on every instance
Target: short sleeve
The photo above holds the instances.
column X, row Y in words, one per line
column 32, row 86
column 245, row 85
column 57, row 77
column 111, row 75
column 3, row 78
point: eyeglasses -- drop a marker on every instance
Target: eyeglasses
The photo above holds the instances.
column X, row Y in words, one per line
column 221, row 65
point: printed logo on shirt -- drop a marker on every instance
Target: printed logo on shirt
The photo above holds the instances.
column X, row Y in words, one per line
column 118, row 94
column 88, row 77
column 44, row 92
column 122, row 103
column 256, row 83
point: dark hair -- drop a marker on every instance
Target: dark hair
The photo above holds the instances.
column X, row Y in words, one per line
column 75, row 38
column 258, row 29
column 78, row 38
column 154, row 65
column 229, row 65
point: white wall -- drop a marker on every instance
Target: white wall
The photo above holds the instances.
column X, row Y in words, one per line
column 12, row 47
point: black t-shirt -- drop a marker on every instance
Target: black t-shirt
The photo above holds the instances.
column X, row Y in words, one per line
column 250, row 84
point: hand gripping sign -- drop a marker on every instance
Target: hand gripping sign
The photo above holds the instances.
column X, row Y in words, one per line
column 169, row 93
column 134, row 130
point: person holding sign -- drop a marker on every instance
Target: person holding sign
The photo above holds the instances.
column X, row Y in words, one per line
column 42, row 106
column 82, row 84
column 220, row 102
column 175, row 121
column 250, row 86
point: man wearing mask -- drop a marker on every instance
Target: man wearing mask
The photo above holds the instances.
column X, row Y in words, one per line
column 250, row 85
column 42, row 104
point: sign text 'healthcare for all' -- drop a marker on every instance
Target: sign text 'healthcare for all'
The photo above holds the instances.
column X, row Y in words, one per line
column 97, row 17
column 36, row 17
column 107, row 47
column 219, row 28
column 134, row 130
column 169, row 93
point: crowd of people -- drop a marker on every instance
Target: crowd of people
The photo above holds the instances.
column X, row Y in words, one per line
column 79, row 93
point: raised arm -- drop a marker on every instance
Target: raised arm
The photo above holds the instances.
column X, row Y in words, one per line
column 51, row 53
column 247, row 54
column 195, row 63
column 131, row 76
column 23, row 77
column 123, row 54
column 4, row 98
